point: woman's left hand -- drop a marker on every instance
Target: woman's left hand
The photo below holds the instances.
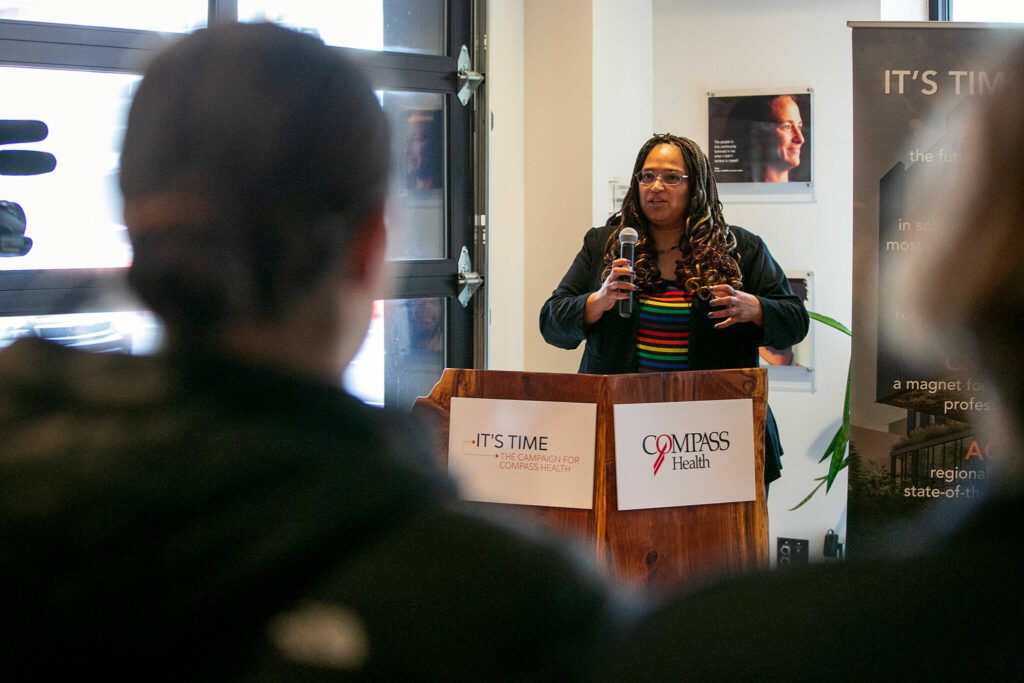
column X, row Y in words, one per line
column 735, row 306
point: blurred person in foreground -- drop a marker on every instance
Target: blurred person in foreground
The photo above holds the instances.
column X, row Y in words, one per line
column 224, row 510
column 947, row 604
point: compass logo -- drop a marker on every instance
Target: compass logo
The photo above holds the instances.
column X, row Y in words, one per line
column 660, row 445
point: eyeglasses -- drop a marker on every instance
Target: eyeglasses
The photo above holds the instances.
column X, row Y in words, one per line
column 667, row 178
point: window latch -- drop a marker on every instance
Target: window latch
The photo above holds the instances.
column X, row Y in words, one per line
column 469, row 281
column 469, row 80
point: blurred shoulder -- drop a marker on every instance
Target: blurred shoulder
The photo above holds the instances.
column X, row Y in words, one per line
column 452, row 594
column 454, row 546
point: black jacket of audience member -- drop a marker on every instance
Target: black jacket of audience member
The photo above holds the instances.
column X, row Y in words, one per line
column 200, row 517
column 951, row 610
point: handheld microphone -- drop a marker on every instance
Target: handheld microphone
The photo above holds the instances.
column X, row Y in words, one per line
column 15, row 131
column 627, row 250
column 25, row 162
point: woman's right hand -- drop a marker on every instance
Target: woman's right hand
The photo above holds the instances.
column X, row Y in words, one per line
column 613, row 290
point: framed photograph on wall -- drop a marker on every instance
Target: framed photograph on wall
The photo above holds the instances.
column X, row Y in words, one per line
column 760, row 138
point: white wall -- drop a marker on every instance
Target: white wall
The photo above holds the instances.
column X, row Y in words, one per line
column 904, row 10
column 506, row 241
column 559, row 150
column 623, row 93
column 622, row 73
column 581, row 107
column 784, row 44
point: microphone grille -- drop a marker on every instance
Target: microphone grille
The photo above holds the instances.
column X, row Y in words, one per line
column 628, row 236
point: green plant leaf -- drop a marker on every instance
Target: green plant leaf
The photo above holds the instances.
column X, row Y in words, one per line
column 820, row 480
column 840, row 459
column 836, row 452
column 836, row 464
column 831, row 322
column 835, row 443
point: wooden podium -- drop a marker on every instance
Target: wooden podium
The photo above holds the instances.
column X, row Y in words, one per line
column 655, row 548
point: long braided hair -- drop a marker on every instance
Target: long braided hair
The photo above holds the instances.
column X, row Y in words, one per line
column 707, row 246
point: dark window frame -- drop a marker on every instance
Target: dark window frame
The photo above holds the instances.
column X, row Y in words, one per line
column 118, row 50
column 940, row 10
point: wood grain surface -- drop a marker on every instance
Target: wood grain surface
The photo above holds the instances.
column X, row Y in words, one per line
column 659, row 548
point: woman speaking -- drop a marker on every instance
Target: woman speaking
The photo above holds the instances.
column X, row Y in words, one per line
column 708, row 294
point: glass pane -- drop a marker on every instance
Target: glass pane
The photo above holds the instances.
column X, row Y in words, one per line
column 403, row 354
column 988, row 10
column 415, row 26
column 166, row 15
column 125, row 332
column 416, row 207
column 364, row 376
column 73, row 214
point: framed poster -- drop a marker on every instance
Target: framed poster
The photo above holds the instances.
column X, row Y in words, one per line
column 760, row 138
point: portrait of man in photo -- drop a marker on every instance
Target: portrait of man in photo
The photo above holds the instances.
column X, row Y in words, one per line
column 760, row 138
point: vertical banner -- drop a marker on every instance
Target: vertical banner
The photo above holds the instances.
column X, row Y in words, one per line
column 913, row 434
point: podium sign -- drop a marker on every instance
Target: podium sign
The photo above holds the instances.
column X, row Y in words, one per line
column 660, row 547
column 684, row 453
column 523, row 452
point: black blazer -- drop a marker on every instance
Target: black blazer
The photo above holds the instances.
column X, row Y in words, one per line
column 611, row 341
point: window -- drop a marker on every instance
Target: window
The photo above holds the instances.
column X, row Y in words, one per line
column 85, row 60
column 987, row 10
column 414, row 26
column 153, row 15
column 73, row 213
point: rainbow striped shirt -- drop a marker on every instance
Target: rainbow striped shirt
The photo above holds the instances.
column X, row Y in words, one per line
column 663, row 330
